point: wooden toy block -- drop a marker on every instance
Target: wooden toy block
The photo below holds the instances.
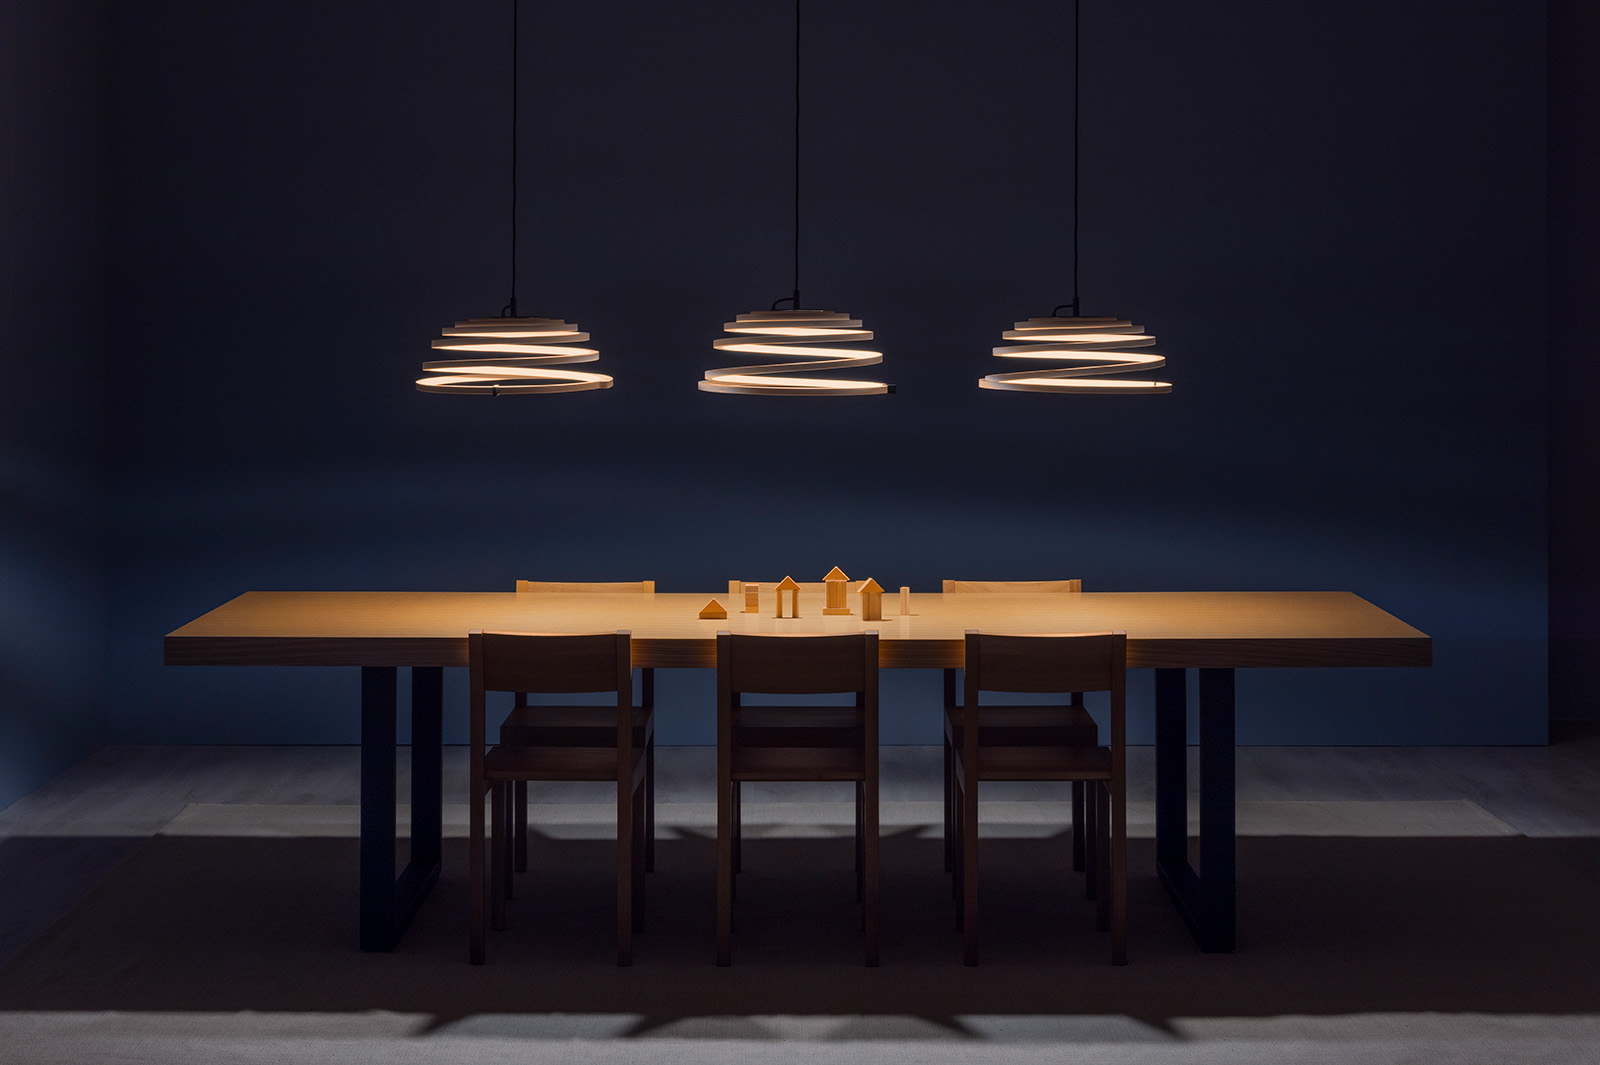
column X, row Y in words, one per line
column 714, row 609
column 837, row 585
column 905, row 601
column 791, row 586
column 871, row 600
column 752, row 599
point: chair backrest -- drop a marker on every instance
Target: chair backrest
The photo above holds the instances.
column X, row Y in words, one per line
column 647, row 587
column 1065, row 662
column 798, row 665
column 1013, row 586
column 537, row 662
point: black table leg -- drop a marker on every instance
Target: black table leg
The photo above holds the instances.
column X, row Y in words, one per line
column 1206, row 899
column 427, row 766
column 387, row 903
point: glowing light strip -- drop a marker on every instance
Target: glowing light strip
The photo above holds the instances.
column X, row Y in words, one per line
column 536, row 344
column 1095, row 346
column 795, row 335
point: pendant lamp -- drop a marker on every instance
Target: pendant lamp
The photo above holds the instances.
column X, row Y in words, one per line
column 804, row 339
column 1092, row 347
column 511, row 355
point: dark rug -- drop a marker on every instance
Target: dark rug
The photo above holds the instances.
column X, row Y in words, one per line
column 1330, row 925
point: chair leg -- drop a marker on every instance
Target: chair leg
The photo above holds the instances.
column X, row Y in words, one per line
column 1091, row 849
column 507, row 843
column 627, row 844
column 949, row 818
column 1103, row 858
column 969, row 873
column 738, row 827
column 478, row 887
column 641, row 850
column 724, row 872
column 956, row 847
column 519, row 831
column 869, row 901
column 510, row 879
column 497, row 854
column 1077, row 826
column 1118, row 887
column 650, row 806
column 861, row 849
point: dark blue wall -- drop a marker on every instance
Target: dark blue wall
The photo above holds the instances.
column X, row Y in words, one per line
column 1332, row 218
column 1574, row 150
column 52, row 396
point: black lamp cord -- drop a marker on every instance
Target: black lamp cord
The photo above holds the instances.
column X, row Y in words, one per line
column 1077, row 65
column 794, row 299
column 510, row 309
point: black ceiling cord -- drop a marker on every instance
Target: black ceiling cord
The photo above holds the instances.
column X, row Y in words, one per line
column 1077, row 64
column 794, row 298
column 510, row 309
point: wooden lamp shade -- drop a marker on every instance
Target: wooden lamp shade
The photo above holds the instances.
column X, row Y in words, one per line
column 799, row 336
column 1092, row 348
column 511, row 356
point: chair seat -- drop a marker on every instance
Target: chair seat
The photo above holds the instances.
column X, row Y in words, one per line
column 571, row 726
column 557, row 763
column 1024, row 726
column 1040, row 763
column 798, row 763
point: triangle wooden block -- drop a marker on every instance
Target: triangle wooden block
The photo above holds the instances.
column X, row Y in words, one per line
column 714, row 609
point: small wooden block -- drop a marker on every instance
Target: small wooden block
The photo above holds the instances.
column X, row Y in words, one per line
column 714, row 609
column 752, row 599
column 905, row 602
column 871, row 600
column 791, row 586
column 837, row 585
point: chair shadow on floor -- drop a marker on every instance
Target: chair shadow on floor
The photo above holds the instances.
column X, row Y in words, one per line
column 1329, row 926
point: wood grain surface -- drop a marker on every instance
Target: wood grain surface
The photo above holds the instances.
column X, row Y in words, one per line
column 1165, row 629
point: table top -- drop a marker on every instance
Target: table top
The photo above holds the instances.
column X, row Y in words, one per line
column 1165, row 629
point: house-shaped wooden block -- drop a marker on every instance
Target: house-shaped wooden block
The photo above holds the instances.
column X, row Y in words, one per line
column 792, row 587
column 837, row 585
column 871, row 600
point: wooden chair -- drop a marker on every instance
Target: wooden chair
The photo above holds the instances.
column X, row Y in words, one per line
column 801, row 743
column 581, row 726
column 527, row 662
column 1056, row 663
column 1074, row 727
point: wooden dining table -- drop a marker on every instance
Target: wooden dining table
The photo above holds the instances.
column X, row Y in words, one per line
column 1169, row 633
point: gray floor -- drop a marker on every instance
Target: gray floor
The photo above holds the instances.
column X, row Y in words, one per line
column 68, row 834
column 63, row 839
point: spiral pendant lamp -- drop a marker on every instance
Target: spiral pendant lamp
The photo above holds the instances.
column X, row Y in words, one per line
column 798, row 335
column 525, row 349
column 511, row 355
column 806, row 340
column 1092, row 348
